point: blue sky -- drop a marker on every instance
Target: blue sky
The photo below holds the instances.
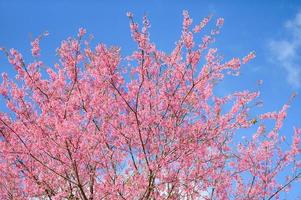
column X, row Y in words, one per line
column 271, row 28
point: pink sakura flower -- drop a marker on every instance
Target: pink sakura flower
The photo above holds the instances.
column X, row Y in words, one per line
column 164, row 120
column 295, row 149
column 4, row 85
column 81, row 32
column 232, row 164
column 188, row 40
column 281, row 116
column 249, row 57
column 220, row 22
column 187, row 20
column 14, row 52
column 268, row 115
column 234, row 64
column 35, row 50
column 202, row 24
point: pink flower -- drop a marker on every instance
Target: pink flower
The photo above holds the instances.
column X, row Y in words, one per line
column 35, row 47
column 188, row 40
column 81, row 32
column 153, row 126
column 202, row 24
column 220, row 22
column 234, row 64
column 187, row 20
column 249, row 57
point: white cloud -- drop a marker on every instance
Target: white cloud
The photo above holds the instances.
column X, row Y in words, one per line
column 285, row 51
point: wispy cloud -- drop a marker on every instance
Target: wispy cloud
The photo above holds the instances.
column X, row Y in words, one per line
column 285, row 51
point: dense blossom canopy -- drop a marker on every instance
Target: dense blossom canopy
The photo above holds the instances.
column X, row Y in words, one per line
column 148, row 126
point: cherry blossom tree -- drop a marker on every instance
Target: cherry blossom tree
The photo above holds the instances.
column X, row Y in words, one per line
column 96, row 125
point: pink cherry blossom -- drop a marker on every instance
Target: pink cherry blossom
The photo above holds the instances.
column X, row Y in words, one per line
column 220, row 22
column 35, row 47
column 97, row 125
column 249, row 57
column 81, row 32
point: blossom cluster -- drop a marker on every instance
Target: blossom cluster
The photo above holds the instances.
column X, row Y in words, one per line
column 96, row 125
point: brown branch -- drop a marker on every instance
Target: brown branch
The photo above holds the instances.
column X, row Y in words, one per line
column 280, row 189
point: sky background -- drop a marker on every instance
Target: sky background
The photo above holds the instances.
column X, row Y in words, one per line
column 270, row 28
